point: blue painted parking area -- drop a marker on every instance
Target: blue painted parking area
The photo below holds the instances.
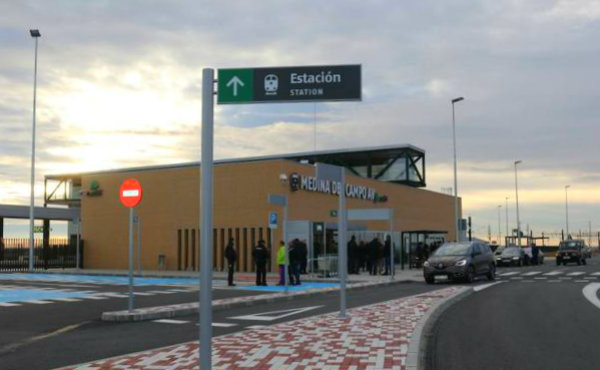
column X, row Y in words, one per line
column 38, row 295
column 95, row 279
column 292, row 288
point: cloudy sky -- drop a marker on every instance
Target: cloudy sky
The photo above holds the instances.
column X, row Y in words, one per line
column 119, row 85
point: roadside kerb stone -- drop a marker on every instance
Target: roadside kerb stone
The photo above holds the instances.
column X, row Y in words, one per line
column 184, row 309
column 415, row 359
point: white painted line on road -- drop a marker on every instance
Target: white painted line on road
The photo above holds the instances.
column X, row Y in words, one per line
column 577, row 273
column 95, row 297
column 508, row 273
column 170, row 321
column 595, row 274
column 38, row 302
column 223, row 324
column 142, row 293
column 540, row 278
column 552, row 273
column 532, row 273
column 257, row 326
column 6, row 304
column 589, row 292
column 67, row 299
column 479, row 288
column 274, row 315
column 581, row 281
column 516, row 278
column 554, row 281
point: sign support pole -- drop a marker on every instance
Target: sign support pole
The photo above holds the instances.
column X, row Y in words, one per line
column 285, row 246
column 342, row 247
column 131, row 259
column 392, row 264
column 77, row 256
column 206, row 221
column 139, row 244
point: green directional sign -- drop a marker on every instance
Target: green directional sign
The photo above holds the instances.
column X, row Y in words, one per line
column 236, row 85
column 289, row 84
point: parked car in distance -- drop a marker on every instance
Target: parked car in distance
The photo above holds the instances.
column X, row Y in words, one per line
column 587, row 251
column 571, row 251
column 512, row 256
column 460, row 261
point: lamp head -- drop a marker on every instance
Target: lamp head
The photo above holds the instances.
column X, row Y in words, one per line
column 35, row 33
column 456, row 100
column 517, row 162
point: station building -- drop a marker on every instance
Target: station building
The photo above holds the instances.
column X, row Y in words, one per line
column 390, row 178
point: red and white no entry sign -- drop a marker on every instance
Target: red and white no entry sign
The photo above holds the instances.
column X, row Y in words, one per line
column 130, row 193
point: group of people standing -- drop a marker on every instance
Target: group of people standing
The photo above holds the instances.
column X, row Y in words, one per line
column 373, row 257
column 296, row 264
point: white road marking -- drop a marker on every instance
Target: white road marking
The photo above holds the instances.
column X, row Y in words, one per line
column 589, row 292
column 532, row 273
column 552, row 273
column 274, row 315
column 581, row 281
column 577, row 273
column 596, row 274
column 508, row 273
column 256, row 326
column 37, row 302
column 67, row 299
column 169, row 321
column 223, row 324
column 554, row 281
column 142, row 293
column 540, row 278
column 516, row 277
column 479, row 288
column 6, row 304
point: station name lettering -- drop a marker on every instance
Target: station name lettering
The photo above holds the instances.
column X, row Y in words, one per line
column 311, row 183
column 320, row 78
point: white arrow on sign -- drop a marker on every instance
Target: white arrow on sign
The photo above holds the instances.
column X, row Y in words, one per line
column 274, row 315
column 235, row 81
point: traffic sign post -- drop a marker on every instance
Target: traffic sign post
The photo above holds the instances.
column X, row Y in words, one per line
column 289, row 84
column 282, row 200
column 130, row 195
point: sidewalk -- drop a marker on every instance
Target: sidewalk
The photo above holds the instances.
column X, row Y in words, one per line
column 401, row 275
column 374, row 337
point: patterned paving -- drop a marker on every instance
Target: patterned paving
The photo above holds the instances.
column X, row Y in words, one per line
column 374, row 337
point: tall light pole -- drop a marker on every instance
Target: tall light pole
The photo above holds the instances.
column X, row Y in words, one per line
column 35, row 34
column 456, row 220
column 506, row 209
column 517, row 200
column 567, row 208
column 499, row 230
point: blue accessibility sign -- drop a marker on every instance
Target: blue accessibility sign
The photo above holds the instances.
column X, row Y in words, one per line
column 273, row 220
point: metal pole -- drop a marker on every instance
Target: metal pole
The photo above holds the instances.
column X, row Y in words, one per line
column 517, row 200
column 392, row 265
column 285, row 246
column 77, row 255
column 31, row 200
column 567, row 208
column 139, row 244
column 506, row 199
column 342, row 247
column 590, row 233
column 455, row 178
column 499, row 227
column 131, row 211
column 206, row 221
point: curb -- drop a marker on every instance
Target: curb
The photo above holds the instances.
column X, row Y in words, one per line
column 183, row 309
column 416, row 352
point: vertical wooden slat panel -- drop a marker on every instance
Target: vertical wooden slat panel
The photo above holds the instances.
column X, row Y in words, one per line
column 215, row 247
column 193, row 247
column 186, row 240
column 179, row 250
column 221, row 249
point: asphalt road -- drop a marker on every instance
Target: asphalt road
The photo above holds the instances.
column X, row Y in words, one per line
column 94, row 339
column 528, row 322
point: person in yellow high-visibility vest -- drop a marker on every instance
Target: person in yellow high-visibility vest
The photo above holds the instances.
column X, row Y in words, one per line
column 281, row 262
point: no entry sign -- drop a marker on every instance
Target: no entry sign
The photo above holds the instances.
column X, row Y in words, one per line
column 130, row 193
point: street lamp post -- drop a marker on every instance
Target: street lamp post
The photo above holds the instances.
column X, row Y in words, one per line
column 506, row 209
column 517, row 200
column 499, row 230
column 456, row 221
column 567, row 208
column 35, row 34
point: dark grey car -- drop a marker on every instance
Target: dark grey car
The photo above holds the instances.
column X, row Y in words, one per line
column 460, row 261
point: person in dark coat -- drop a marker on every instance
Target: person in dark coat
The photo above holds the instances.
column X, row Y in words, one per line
column 295, row 256
column 261, row 257
column 231, row 256
column 387, row 250
column 352, row 256
column 303, row 256
column 373, row 253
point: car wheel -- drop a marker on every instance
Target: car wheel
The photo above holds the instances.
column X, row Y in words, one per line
column 429, row 279
column 470, row 276
column 491, row 275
